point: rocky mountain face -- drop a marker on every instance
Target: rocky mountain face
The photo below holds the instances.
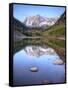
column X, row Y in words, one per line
column 39, row 21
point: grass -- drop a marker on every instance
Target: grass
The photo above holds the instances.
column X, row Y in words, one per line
column 56, row 30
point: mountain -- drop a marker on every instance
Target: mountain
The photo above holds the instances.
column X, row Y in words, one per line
column 39, row 21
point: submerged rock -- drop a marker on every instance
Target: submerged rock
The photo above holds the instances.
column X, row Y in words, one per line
column 58, row 62
column 33, row 69
column 46, row 82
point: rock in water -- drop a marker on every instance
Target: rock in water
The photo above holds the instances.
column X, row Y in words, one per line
column 33, row 69
column 58, row 62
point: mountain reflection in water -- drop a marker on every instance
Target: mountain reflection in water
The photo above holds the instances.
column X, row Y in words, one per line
column 42, row 57
column 38, row 51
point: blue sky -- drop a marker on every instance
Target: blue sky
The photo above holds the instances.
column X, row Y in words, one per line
column 22, row 11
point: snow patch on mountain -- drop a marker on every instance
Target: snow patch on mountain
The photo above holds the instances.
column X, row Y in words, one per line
column 39, row 21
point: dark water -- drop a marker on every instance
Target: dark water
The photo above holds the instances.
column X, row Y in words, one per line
column 40, row 56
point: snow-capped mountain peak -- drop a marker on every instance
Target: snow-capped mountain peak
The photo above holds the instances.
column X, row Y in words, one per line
column 39, row 21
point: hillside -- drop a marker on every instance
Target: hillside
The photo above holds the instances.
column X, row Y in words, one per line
column 62, row 18
column 19, row 29
column 58, row 29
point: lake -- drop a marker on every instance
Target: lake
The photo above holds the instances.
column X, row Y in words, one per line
column 32, row 53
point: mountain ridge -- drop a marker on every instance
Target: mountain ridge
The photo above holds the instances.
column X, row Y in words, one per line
column 39, row 21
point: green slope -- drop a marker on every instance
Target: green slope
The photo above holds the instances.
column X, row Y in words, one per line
column 58, row 29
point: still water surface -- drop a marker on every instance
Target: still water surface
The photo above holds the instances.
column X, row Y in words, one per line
column 42, row 57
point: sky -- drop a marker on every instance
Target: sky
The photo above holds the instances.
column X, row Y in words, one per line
column 20, row 11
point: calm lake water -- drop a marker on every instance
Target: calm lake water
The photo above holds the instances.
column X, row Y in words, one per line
column 42, row 57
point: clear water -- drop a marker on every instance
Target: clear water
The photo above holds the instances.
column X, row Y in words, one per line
column 41, row 57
